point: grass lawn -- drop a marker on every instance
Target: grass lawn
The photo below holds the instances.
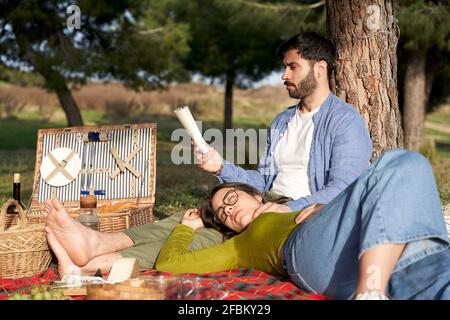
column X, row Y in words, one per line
column 177, row 187
column 440, row 156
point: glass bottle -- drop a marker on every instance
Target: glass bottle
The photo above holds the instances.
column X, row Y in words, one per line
column 16, row 195
column 88, row 212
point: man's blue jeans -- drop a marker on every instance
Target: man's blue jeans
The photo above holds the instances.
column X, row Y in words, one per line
column 394, row 201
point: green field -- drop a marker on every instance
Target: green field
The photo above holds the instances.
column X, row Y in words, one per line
column 177, row 187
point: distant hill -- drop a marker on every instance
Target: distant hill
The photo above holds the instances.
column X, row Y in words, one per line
column 205, row 101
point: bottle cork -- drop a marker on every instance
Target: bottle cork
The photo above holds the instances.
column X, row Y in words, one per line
column 88, row 202
column 16, row 177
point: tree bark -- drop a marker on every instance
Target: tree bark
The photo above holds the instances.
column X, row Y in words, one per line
column 54, row 80
column 415, row 97
column 70, row 107
column 228, row 110
column 365, row 36
column 432, row 66
column 57, row 83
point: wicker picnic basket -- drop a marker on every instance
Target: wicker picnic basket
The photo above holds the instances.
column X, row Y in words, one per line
column 130, row 152
column 24, row 250
column 123, row 291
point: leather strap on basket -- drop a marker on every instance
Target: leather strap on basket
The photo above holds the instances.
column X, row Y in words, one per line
column 59, row 167
column 23, row 221
column 125, row 164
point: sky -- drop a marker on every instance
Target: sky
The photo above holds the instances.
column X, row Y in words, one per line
column 274, row 79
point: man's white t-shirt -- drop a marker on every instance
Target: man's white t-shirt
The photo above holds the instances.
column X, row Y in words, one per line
column 292, row 157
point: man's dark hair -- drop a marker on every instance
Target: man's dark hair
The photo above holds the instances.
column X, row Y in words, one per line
column 311, row 46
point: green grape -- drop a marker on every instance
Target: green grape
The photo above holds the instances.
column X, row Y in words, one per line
column 43, row 288
column 38, row 296
column 35, row 290
column 47, row 295
column 58, row 294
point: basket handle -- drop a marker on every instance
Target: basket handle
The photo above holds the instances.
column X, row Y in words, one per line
column 3, row 211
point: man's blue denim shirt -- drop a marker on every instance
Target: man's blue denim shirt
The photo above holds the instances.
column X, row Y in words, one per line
column 340, row 151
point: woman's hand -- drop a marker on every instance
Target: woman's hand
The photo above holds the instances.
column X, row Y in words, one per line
column 308, row 212
column 192, row 219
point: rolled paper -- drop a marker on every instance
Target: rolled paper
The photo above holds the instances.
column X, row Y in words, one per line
column 187, row 120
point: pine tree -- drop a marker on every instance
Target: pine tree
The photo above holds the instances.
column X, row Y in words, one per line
column 425, row 40
column 235, row 41
column 111, row 43
column 365, row 35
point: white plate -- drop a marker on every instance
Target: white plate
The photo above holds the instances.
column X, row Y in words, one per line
column 72, row 167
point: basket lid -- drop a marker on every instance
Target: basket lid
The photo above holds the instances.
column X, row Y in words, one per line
column 118, row 162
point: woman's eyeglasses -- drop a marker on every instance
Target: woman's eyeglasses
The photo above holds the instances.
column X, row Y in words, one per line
column 230, row 199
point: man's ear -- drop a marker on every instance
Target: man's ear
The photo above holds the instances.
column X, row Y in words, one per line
column 320, row 69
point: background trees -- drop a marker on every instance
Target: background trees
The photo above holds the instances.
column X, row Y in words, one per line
column 424, row 50
column 149, row 44
column 234, row 41
column 109, row 45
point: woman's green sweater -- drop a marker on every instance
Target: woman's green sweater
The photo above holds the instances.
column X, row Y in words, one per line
column 258, row 246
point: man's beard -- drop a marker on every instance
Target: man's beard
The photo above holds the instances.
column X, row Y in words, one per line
column 305, row 88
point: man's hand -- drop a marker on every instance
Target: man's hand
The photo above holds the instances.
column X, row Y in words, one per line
column 210, row 161
column 307, row 212
column 271, row 207
column 192, row 219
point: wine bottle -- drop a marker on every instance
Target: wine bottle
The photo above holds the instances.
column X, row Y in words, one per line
column 16, row 195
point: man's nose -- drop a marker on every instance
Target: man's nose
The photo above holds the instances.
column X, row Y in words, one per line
column 286, row 75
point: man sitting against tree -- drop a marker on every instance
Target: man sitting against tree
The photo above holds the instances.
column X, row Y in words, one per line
column 315, row 148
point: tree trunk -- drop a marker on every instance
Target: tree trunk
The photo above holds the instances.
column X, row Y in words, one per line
column 57, row 83
column 70, row 107
column 365, row 36
column 228, row 110
column 432, row 65
column 414, row 98
column 54, row 80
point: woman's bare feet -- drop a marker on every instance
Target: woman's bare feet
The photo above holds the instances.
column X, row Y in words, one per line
column 76, row 240
column 65, row 264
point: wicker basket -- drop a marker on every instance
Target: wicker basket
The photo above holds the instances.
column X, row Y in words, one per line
column 109, row 222
column 125, row 136
column 122, row 292
column 24, row 250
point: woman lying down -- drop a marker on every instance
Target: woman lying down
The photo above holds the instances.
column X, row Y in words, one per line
column 384, row 236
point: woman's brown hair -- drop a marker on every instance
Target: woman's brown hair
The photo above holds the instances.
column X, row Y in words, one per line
column 207, row 211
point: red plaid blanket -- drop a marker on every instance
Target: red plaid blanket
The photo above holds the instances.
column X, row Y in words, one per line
column 243, row 284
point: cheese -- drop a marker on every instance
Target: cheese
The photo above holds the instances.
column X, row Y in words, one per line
column 123, row 269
